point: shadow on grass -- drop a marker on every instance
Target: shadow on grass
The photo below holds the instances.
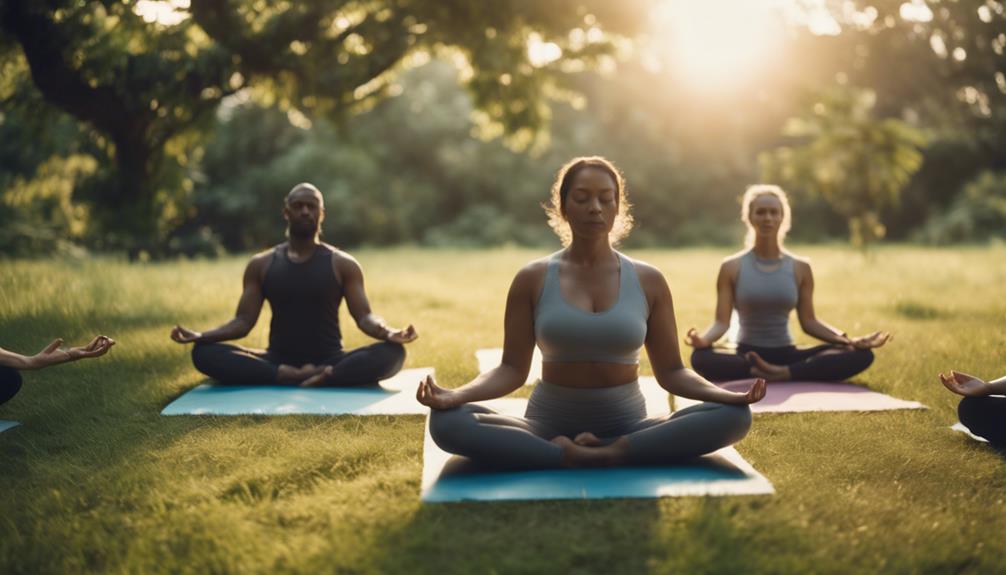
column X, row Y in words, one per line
column 688, row 535
column 532, row 537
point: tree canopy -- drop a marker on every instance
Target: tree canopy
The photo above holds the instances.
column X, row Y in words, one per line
column 122, row 131
column 150, row 90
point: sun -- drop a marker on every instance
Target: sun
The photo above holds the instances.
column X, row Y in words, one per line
column 718, row 44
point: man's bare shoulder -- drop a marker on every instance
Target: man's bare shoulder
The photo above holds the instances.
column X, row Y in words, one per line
column 259, row 264
column 263, row 258
column 343, row 262
column 341, row 256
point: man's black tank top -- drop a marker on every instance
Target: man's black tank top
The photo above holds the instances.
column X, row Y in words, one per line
column 305, row 299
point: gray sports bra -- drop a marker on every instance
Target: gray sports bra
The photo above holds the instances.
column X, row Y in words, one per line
column 566, row 333
column 763, row 300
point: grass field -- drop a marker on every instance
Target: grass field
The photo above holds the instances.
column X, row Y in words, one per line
column 95, row 480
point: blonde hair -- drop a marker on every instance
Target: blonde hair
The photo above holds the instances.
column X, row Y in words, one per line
column 555, row 207
column 756, row 191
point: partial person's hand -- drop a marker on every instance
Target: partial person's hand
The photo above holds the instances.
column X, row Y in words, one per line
column 53, row 354
column 695, row 340
column 873, row 340
column 403, row 335
column 432, row 395
column 184, row 335
column 964, row 384
column 50, row 355
column 99, row 346
column 756, row 393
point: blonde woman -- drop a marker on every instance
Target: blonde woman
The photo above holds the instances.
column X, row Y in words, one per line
column 764, row 283
column 590, row 309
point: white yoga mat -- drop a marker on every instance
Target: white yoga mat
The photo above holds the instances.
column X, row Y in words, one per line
column 492, row 357
column 963, row 429
column 394, row 396
column 448, row 478
column 800, row 396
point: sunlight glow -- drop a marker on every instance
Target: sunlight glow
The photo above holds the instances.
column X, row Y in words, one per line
column 541, row 53
column 718, row 44
column 915, row 11
column 166, row 12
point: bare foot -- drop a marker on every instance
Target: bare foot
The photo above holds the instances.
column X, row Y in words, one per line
column 767, row 371
column 575, row 455
column 292, row 374
column 318, row 378
column 588, row 439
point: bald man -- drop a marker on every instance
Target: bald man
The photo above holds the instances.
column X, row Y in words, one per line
column 304, row 280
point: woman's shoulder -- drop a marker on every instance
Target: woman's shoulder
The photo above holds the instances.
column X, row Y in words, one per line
column 533, row 271
column 733, row 260
column 731, row 263
column 799, row 262
column 643, row 269
column 536, row 266
column 650, row 277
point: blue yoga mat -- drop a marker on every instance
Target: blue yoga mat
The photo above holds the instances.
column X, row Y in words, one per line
column 394, row 396
column 448, row 478
column 5, row 425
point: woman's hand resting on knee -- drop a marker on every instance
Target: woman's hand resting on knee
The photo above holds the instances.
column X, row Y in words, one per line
column 695, row 340
column 755, row 394
column 433, row 396
column 870, row 341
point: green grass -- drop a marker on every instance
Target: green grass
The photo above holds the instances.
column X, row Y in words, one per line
column 95, row 480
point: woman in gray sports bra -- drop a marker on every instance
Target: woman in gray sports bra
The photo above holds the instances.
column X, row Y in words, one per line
column 764, row 284
column 590, row 309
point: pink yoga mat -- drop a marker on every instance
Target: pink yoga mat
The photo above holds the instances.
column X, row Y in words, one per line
column 797, row 396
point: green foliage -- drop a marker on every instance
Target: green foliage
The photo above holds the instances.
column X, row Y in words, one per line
column 857, row 163
column 151, row 90
column 978, row 214
column 409, row 171
column 344, row 91
column 38, row 215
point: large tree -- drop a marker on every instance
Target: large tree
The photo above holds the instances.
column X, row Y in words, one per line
column 148, row 89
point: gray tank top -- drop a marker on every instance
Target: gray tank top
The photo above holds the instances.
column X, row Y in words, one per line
column 566, row 333
column 763, row 300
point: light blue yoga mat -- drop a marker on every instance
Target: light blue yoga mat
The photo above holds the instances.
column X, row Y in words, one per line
column 449, row 478
column 5, row 425
column 394, row 396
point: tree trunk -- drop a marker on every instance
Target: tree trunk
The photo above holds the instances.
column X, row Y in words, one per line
column 131, row 212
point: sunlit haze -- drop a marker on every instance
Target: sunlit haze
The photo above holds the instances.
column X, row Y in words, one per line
column 716, row 44
column 166, row 12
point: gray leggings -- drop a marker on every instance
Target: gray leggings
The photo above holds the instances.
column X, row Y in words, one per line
column 510, row 442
